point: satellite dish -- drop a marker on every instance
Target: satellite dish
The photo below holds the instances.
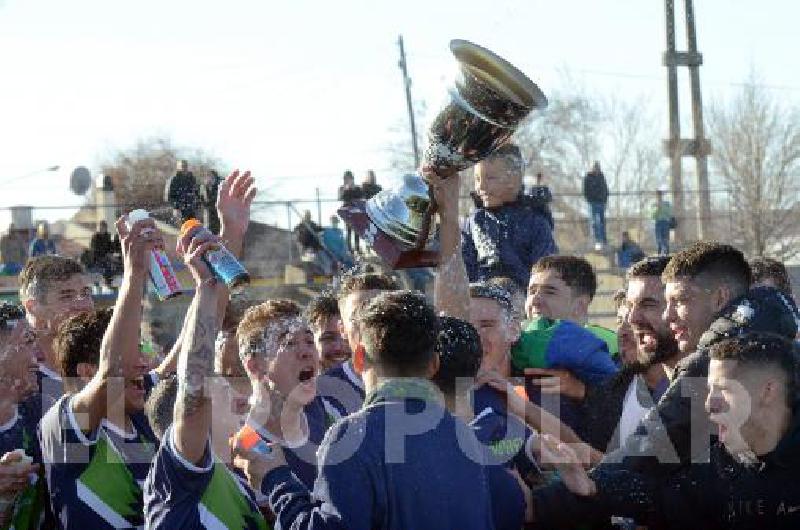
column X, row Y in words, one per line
column 80, row 180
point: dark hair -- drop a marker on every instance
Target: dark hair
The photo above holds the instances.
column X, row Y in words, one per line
column 715, row 261
column 369, row 281
column 493, row 292
column 234, row 312
column 771, row 269
column 761, row 349
column 575, row 271
column 10, row 312
column 322, row 307
column 649, row 266
column 78, row 340
column 458, row 346
column 510, row 154
column 39, row 274
column 399, row 330
column 160, row 405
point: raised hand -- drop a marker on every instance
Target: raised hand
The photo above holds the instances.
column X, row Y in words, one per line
column 557, row 381
column 137, row 241
column 192, row 250
column 234, row 198
column 560, row 455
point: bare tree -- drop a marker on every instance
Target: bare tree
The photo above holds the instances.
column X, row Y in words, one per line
column 140, row 172
column 756, row 150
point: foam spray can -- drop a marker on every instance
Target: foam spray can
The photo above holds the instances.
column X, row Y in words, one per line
column 220, row 260
column 162, row 276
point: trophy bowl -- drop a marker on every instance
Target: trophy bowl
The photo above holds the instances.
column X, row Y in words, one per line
column 487, row 101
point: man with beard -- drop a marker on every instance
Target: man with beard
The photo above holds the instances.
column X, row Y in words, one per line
column 323, row 316
column 751, row 478
column 615, row 407
column 18, row 369
column 707, row 300
column 96, row 443
column 52, row 289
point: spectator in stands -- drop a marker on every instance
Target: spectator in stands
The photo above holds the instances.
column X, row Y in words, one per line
column 771, row 273
column 333, row 240
column 182, row 192
column 629, row 251
column 102, row 251
column 595, row 191
column 370, row 188
column 42, row 245
column 209, row 199
column 540, row 191
column 664, row 219
column 307, row 233
column 349, row 193
column 13, row 251
column 508, row 231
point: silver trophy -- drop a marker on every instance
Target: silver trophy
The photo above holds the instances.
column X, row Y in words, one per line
column 485, row 104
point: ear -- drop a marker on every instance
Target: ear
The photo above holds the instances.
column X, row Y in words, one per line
column 433, row 367
column 513, row 331
column 771, row 392
column 721, row 297
column 581, row 307
column 359, row 359
column 86, row 371
column 254, row 367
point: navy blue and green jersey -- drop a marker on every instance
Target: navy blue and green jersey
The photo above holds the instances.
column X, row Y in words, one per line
column 95, row 478
column 182, row 495
column 51, row 387
column 302, row 459
column 506, row 439
column 342, row 391
column 20, row 433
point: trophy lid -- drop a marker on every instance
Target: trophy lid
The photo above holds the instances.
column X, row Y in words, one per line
column 498, row 74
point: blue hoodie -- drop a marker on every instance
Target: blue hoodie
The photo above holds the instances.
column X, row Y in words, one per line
column 373, row 476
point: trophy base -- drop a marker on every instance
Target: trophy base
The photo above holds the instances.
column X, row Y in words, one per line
column 397, row 255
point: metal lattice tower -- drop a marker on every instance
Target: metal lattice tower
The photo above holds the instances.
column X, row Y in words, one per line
column 676, row 147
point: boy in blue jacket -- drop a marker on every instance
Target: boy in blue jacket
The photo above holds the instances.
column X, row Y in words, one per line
column 400, row 462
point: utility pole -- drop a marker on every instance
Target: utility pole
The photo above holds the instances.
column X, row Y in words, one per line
column 676, row 147
column 407, row 83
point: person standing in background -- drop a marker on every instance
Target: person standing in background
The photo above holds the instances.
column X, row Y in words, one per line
column 370, row 188
column 42, row 245
column 348, row 194
column 665, row 221
column 209, row 199
column 595, row 191
column 182, row 192
column 13, row 250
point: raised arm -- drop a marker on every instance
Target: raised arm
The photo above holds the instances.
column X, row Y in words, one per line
column 119, row 351
column 451, row 287
column 192, row 413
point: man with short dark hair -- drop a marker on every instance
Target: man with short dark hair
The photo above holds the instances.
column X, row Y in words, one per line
column 508, row 230
column 405, row 436
column 750, row 479
column 561, row 288
column 341, row 387
column 52, row 288
column 182, row 192
column 323, row 316
column 771, row 273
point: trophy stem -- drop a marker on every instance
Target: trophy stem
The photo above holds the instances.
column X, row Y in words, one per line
column 427, row 222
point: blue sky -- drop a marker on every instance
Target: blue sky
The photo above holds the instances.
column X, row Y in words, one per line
column 300, row 91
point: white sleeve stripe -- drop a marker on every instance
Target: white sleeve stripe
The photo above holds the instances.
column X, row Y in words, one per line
column 182, row 461
column 73, row 423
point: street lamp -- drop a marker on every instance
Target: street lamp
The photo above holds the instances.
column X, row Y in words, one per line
column 48, row 168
